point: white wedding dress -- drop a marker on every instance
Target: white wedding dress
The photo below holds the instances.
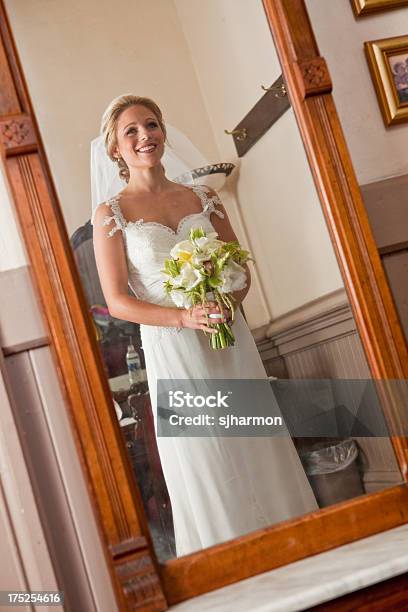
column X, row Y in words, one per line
column 219, row 487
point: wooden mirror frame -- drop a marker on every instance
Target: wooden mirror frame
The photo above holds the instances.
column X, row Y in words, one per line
column 140, row 581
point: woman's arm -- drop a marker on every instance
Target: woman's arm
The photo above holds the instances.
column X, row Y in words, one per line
column 225, row 232
column 112, row 268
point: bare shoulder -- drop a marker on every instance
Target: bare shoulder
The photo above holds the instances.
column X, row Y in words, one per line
column 103, row 211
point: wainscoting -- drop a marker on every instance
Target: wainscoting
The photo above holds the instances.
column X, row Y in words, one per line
column 320, row 340
column 45, row 509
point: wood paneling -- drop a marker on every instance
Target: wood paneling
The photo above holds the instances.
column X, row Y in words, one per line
column 46, row 479
column 25, row 562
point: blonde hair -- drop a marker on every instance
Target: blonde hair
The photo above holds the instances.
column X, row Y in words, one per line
column 110, row 121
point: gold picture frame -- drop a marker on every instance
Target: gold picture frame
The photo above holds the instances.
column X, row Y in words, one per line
column 388, row 62
column 365, row 7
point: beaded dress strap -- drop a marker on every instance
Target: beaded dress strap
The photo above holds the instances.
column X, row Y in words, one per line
column 117, row 217
column 209, row 200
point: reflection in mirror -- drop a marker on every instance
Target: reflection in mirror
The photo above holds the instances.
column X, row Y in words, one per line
column 294, row 321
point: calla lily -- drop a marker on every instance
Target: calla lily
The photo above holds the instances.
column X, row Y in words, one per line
column 208, row 243
column 185, row 246
column 185, row 256
column 188, row 278
column 202, row 264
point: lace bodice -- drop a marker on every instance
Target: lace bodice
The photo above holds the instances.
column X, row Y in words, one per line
column 149, row 243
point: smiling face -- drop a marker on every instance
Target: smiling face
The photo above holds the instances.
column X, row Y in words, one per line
column 140, row 139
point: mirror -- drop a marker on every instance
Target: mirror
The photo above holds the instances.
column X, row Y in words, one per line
column 189, row 57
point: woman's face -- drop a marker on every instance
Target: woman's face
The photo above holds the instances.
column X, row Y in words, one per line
column 140, row 139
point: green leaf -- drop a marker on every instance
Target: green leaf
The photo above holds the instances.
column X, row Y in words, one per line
column 197, row 233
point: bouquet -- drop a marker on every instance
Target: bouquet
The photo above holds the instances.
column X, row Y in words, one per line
column 204, row 268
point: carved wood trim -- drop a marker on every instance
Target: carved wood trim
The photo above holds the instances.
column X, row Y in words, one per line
column 17, row 135
column 312, row 77
column 139, row 579
column 117, row 502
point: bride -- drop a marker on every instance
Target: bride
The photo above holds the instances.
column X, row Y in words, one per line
column 219, row 487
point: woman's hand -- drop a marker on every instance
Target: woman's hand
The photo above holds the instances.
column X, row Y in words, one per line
column 195, row 317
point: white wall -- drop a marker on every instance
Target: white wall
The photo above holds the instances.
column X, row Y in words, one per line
column 12, row 253
column 377, row 151
column 233, row 54
column 79, row 55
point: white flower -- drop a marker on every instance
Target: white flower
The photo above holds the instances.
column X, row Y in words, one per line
column 188, row 278
column 182, row 249
column 205, row 247
column 208, row 243
column 181, row 299
column 198, row 258
column 233, row 278
column 196, row 251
